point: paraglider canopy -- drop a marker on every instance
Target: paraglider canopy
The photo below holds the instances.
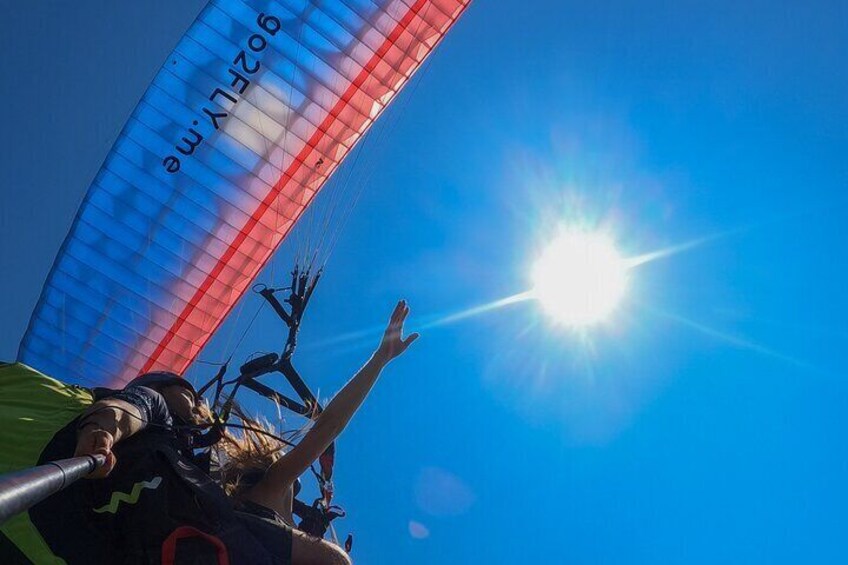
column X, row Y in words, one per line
column 251, row 113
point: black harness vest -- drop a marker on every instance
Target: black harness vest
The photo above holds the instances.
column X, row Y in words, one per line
column 156, row 507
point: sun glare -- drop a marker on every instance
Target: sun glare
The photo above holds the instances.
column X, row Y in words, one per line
column 580, row 278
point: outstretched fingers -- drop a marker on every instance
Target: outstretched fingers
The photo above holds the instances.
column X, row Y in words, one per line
column 410, row 338
column 400, row 313
column 393, row 342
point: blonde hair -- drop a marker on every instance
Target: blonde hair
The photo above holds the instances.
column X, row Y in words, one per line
column 245, row 453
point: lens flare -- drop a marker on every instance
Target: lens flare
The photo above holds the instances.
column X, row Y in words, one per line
column 580, row 278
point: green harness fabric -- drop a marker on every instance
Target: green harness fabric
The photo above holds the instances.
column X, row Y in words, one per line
column 33, row 407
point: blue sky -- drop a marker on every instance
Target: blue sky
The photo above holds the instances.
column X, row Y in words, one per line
column 702, row 424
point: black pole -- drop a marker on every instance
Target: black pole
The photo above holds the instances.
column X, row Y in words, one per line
column 21, row 490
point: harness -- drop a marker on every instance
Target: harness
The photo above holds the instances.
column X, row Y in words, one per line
column 157, row 507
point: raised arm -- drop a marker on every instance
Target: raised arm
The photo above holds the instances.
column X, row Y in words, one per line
column 338, row 412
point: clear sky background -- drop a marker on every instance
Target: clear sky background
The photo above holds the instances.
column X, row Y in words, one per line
column 704, row 423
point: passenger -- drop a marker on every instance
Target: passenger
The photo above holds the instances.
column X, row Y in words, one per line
column 261, row 478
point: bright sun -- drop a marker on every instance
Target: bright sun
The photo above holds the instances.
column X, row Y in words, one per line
column 580, row 278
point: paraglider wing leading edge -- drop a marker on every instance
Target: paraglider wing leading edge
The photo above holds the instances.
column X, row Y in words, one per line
column 251, row 113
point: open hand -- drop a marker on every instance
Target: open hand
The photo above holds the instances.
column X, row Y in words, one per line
column 393, row 343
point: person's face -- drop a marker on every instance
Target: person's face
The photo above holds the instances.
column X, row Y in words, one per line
column 180, row 402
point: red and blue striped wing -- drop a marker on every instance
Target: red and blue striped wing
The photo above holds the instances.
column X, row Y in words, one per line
column 250, row 115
